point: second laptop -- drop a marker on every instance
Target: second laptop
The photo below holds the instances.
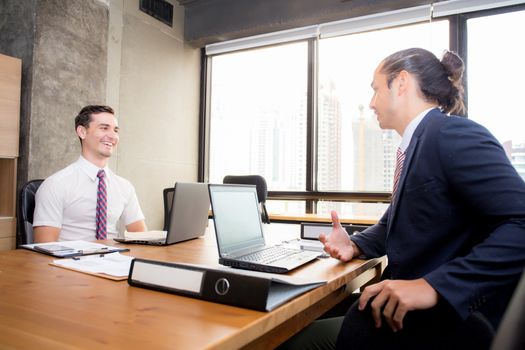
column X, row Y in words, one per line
column 240, row 238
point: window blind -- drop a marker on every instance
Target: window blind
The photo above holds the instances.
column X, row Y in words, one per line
column 361, row 24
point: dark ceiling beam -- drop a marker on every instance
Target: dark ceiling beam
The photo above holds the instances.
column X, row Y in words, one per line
column 212, row 21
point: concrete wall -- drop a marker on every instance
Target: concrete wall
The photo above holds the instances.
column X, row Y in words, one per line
column 17, row 23
column 79, row 52
column 69, row 71
column 155, row 89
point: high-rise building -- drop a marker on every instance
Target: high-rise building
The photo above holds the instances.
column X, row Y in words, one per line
column 516, row 155
column 374, row 158
column 329, row 139
column 518, row 159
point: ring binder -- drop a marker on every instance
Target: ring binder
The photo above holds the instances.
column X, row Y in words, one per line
column 247, row 289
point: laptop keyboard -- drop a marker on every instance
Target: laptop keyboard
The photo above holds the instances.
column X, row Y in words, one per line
column 269, row 255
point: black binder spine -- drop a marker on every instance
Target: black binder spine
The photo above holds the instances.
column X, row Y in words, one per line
column 215, row 285
column 238, row 290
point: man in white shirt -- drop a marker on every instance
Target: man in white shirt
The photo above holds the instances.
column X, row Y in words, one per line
column 85, row 200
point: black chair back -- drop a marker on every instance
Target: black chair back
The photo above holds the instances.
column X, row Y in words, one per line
column 511, row 331
column 260, row 184
column 26, row 208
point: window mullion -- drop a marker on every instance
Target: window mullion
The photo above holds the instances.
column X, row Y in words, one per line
column 311, row 120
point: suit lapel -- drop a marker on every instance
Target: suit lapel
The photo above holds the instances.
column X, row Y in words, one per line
column 411, row 150
column 406, row 167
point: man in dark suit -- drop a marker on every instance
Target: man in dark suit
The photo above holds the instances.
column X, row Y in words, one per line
column 454, row 233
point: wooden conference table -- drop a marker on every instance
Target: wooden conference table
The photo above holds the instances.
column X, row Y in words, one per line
column 47, row 307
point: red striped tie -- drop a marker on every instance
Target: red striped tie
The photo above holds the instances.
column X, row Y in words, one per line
column 101, row 231
column 400, row 159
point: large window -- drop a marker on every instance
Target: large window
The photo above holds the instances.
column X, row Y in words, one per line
column 298, row 113
column 354, row 154
column 258, row 115
column 495, row 80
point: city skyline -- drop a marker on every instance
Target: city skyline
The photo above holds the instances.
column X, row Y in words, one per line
column 258, row 106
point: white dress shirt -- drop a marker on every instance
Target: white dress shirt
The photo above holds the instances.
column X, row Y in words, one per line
column 68, row 200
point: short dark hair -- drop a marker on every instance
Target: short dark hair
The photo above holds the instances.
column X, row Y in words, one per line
column 440, row 81
column 84, row 116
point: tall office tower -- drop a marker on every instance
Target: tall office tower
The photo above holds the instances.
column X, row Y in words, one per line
column 518, row 159
column 264, row 145
column 391, row 141
column 277, row 147
column 370, row 147
column 516, row 155
column 507, row 147
column 374, row 160
column 295, row 148
column 329, row 139
column 261, row 148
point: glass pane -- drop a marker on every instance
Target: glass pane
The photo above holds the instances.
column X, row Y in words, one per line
column 365, row 211
column 258, row 115
column 354, row 154
column 286, row 207
column 495, row 80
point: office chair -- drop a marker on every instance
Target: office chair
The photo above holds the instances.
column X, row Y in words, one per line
column 260, row 184
column 510, row 334
column 26, row 208
column 167, row 195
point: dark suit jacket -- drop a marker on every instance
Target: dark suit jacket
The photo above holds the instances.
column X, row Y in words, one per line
column 458, row 219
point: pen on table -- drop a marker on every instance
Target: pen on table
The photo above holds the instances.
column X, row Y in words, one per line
column 101, row 255
column 94, row 251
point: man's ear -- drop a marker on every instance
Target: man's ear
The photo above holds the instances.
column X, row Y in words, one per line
column 81, row 132
column 402, row 82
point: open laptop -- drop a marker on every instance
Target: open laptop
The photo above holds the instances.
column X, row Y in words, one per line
column 188, row 216
column 240, row 236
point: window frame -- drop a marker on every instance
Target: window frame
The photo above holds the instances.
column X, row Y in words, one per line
column 311, row 195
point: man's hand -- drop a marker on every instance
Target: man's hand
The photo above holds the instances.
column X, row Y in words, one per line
column 338, row 244
column 394, row 298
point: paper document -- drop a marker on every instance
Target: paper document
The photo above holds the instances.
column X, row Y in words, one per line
column 145, row 236
column 113, row 264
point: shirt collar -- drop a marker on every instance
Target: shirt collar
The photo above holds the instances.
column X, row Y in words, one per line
column 409, row 130
column 90, row 169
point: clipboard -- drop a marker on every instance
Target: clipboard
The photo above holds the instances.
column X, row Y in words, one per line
column 68, row 249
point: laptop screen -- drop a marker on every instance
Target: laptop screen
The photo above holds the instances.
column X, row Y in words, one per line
column 236, row 216
column 188, row 212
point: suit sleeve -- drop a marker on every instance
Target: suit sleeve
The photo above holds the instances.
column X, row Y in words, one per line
column 481, row 176
column 372, row 240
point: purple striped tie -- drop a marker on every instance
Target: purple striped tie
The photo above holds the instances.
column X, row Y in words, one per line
column 400, row 159
column 102, row 200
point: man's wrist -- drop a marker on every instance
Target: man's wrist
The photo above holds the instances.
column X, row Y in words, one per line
column 357, row 251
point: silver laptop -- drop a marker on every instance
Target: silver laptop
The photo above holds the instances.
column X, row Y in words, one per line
column 240, row 236
column 188, row 216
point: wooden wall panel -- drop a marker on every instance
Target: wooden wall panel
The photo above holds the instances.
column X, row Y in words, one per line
column 10, row 82
column 10, row 89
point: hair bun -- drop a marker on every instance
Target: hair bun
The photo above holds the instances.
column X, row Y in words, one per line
column 453, row 65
